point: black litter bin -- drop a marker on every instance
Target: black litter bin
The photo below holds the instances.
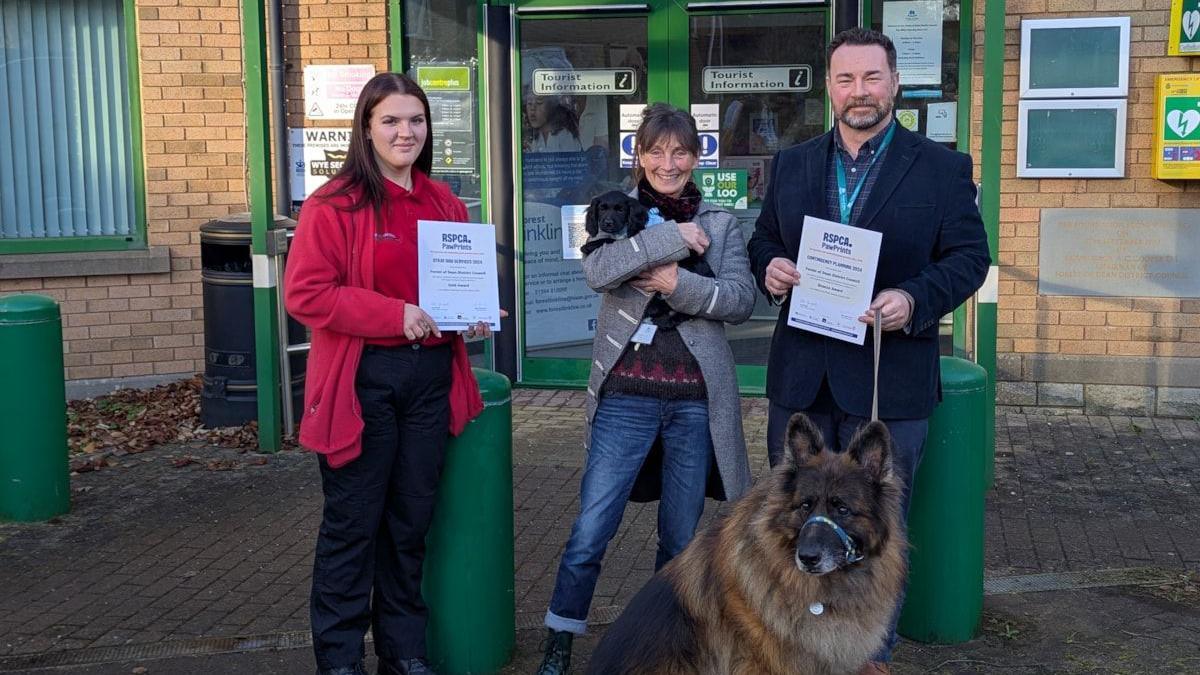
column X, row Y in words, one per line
column 230, row 393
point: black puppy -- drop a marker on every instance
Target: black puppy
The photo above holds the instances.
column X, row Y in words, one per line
column 616, row 214
column 620, row 216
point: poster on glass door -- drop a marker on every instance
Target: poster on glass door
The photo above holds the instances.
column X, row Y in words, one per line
column 560, row 308
column 916, row 29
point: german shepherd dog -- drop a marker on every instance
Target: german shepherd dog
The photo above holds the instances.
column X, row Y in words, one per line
column 800, row 578
column 620, row 216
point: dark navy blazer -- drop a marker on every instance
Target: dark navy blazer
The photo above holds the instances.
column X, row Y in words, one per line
column 934, row 247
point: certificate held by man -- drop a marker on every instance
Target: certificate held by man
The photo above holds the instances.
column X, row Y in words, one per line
column 457, row 274
column 837, row 266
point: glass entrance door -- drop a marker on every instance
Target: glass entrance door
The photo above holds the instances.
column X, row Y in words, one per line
column 576, row 74
column 754, row 79
column 759, row 77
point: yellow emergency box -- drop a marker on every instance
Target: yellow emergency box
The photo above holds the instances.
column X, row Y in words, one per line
column 1177, row 126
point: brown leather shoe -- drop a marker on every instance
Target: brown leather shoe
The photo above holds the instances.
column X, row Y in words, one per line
column 875, row 668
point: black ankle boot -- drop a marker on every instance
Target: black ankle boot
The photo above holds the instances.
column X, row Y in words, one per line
column 557, row 648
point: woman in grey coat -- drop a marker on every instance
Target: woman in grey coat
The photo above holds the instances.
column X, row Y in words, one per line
column 673, row 389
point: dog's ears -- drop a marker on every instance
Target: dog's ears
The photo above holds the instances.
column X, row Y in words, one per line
column 638, row 215
column 871, row 447
column 589, row 222
column 803, row 438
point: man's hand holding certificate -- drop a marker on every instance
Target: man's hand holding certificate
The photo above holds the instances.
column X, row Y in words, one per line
column 457, row 274
column 837, row 276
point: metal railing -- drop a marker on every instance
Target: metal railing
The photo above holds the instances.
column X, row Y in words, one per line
column 285, row 348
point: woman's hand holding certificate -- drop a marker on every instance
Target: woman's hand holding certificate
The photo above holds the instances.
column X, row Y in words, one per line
column 457, row 275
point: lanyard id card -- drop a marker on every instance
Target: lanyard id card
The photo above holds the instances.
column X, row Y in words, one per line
column 644, row 334
column 846, row 201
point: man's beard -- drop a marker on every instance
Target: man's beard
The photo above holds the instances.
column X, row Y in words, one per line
column 879, row 112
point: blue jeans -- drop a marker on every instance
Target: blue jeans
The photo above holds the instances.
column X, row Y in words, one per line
column 837, row 427
column 623, row 430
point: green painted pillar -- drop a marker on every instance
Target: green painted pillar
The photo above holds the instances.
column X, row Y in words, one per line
column 945, row 520
column 34, row 480
column 469, row 575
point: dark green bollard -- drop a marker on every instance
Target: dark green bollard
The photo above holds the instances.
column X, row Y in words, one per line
column 34, row 480
column 945, row 520
column 469, row 578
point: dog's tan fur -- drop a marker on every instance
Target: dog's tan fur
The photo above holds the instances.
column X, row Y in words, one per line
column 741, row 601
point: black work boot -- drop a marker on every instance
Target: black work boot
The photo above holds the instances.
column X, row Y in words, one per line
column 557, row 647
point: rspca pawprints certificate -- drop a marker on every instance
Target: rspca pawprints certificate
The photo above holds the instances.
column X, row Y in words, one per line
column 837, row 266
column 457, row 282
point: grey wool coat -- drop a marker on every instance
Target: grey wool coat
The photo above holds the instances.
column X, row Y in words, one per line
column 729, row 297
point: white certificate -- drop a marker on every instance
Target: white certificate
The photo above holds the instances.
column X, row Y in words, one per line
column 837, row 275
column 457, row 273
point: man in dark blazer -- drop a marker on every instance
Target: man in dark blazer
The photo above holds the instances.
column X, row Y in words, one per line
column 872, row 173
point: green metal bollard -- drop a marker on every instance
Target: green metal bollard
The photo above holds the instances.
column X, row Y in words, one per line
column 469, row 576
column 34, row 478
column 945, row 519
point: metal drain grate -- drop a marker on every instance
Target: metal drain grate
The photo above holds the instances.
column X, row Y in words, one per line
column 156, row 650
column 1067, row 581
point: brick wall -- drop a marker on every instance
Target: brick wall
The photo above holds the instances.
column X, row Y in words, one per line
column 193, row 125
column 330, row 32
column 1046, row 327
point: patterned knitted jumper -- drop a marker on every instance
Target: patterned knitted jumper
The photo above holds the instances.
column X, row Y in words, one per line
column 665, row 368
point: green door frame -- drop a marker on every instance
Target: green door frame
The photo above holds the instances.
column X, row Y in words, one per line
column 668, row 80
column 561, row 373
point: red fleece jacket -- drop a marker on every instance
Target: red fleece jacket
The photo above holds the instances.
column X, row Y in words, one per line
column 329, row 286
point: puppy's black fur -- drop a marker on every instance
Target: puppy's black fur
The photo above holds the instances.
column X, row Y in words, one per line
column 616, row 214
column 620, row 216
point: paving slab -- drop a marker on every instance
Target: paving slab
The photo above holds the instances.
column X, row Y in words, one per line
column 160, row 552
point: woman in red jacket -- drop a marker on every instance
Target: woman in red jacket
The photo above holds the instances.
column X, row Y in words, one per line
column 385, row 387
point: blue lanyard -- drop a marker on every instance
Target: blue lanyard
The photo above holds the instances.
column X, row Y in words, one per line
column 846, row 203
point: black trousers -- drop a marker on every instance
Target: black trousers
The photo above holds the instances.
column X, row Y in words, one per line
column 367, row 568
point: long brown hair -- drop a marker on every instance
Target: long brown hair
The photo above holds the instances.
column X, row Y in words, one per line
column 360, row 173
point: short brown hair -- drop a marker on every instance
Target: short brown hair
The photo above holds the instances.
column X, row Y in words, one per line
column 862, row 36
column 660, row 121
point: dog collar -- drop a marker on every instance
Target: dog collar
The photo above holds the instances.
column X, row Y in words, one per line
column 852, row 553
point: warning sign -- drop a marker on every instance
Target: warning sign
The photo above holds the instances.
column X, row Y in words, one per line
column 315, row 156
column 710, row 156
column 330, row 92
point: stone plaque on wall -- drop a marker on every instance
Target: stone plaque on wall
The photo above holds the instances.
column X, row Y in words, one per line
column 1152, row 253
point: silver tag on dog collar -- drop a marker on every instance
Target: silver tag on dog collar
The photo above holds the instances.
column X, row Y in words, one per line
column 816, row 609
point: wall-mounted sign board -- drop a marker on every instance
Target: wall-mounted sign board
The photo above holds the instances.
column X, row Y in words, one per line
column 1071, row 139
column 1069, row 58
column 1113, row 252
